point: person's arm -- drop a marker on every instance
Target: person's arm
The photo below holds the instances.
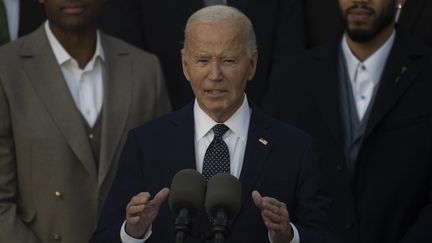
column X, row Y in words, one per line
column 276, row 218
column 12, row 226
column 310, row 213
column 127, row 200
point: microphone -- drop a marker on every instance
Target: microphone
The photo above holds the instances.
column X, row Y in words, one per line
column 222, row 203
column 186, row 200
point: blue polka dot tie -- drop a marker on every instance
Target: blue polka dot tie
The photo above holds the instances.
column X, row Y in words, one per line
column 216, row 158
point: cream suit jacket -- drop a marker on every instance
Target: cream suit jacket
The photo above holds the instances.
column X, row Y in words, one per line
column 50, row 187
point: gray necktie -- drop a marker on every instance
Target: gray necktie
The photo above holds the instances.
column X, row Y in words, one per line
column 216, row 158
column 4, row 29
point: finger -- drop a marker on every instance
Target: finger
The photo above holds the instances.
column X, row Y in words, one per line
column 140, row 198
column 137, row 209
column 160, row 197
column 269, row 206
column 257, row 198
column 274, row 201
column 275, row 217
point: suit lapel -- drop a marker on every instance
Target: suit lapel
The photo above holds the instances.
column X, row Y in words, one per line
column 259, row 144
column 43, row 71
column 184, row 139
column 117, row 98
column 325, row 87
column 402, row 68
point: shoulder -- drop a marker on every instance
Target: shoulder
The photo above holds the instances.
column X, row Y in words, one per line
column 167, row 124
column 122, row 48
column 281, row 131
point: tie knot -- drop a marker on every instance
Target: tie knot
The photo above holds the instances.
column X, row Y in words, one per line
column 219, row 130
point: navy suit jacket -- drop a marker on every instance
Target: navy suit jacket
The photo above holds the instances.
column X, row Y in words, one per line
column 390, row 199
column 284, row 168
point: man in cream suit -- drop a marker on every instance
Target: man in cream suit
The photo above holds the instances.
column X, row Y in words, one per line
column 68, row 96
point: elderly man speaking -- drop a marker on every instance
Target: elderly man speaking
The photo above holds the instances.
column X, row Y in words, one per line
column 269, row 158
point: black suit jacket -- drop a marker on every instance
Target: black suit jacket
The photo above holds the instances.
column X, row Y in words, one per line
column 158, row 26
column 32, row 15
column 416, row 19
column 284, row 168
column 391, row 196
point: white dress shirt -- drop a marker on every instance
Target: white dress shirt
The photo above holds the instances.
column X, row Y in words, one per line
column 12, row 11
column 371, row 69
column 85, row 85
column 235, row 138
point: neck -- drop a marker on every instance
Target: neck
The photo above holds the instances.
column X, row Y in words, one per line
column 363, row 50
column 81, row 45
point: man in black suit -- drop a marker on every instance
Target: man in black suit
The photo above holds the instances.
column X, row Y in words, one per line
column 157, row 26
column 366, row 97
column 219, row 58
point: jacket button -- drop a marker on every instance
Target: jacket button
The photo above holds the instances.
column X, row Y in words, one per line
column 58, row 195
column 340, row 167
column 56, row 237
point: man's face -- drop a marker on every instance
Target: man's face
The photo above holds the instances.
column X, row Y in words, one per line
column 217, row 65
column 73, row 15
column 365, row 19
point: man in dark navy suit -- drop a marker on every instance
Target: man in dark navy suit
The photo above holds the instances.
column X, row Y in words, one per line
column 269, row 158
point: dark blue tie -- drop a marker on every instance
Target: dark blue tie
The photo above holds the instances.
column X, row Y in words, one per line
column 216, row 158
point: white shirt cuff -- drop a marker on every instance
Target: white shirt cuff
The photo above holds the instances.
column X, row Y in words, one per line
column 125, row 238
column 295, row 239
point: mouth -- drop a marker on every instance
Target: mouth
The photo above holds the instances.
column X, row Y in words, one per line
column 73, row 9
column 215, row 92
column 359, row 12
column 360, row 15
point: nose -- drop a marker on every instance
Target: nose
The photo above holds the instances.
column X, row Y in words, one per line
column 215, row 73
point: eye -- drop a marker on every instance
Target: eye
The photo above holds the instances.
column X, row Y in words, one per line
column 202, row 61
column 228, row 61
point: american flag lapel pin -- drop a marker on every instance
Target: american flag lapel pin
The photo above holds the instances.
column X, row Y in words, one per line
column 402, row 71
column 263, row 141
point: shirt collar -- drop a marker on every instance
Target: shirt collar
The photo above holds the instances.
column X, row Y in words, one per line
column 374, row 64
column 63, row 56
column 237, row 123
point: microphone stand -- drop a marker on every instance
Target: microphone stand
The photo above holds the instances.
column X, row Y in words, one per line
column 220, row 229
column 182, row 225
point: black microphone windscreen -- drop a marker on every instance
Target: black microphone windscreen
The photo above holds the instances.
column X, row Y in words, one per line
column 187, row 191
column 223, row 192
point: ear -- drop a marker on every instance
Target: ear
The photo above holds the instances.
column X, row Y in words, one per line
column 252, row 65
column 185, row 64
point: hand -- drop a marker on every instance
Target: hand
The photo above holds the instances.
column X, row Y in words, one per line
column 141, row 212
column 275, row 216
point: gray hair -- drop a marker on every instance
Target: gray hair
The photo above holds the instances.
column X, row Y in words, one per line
column 221, row 13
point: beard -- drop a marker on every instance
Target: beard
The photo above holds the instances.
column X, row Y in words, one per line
column 366, row 33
